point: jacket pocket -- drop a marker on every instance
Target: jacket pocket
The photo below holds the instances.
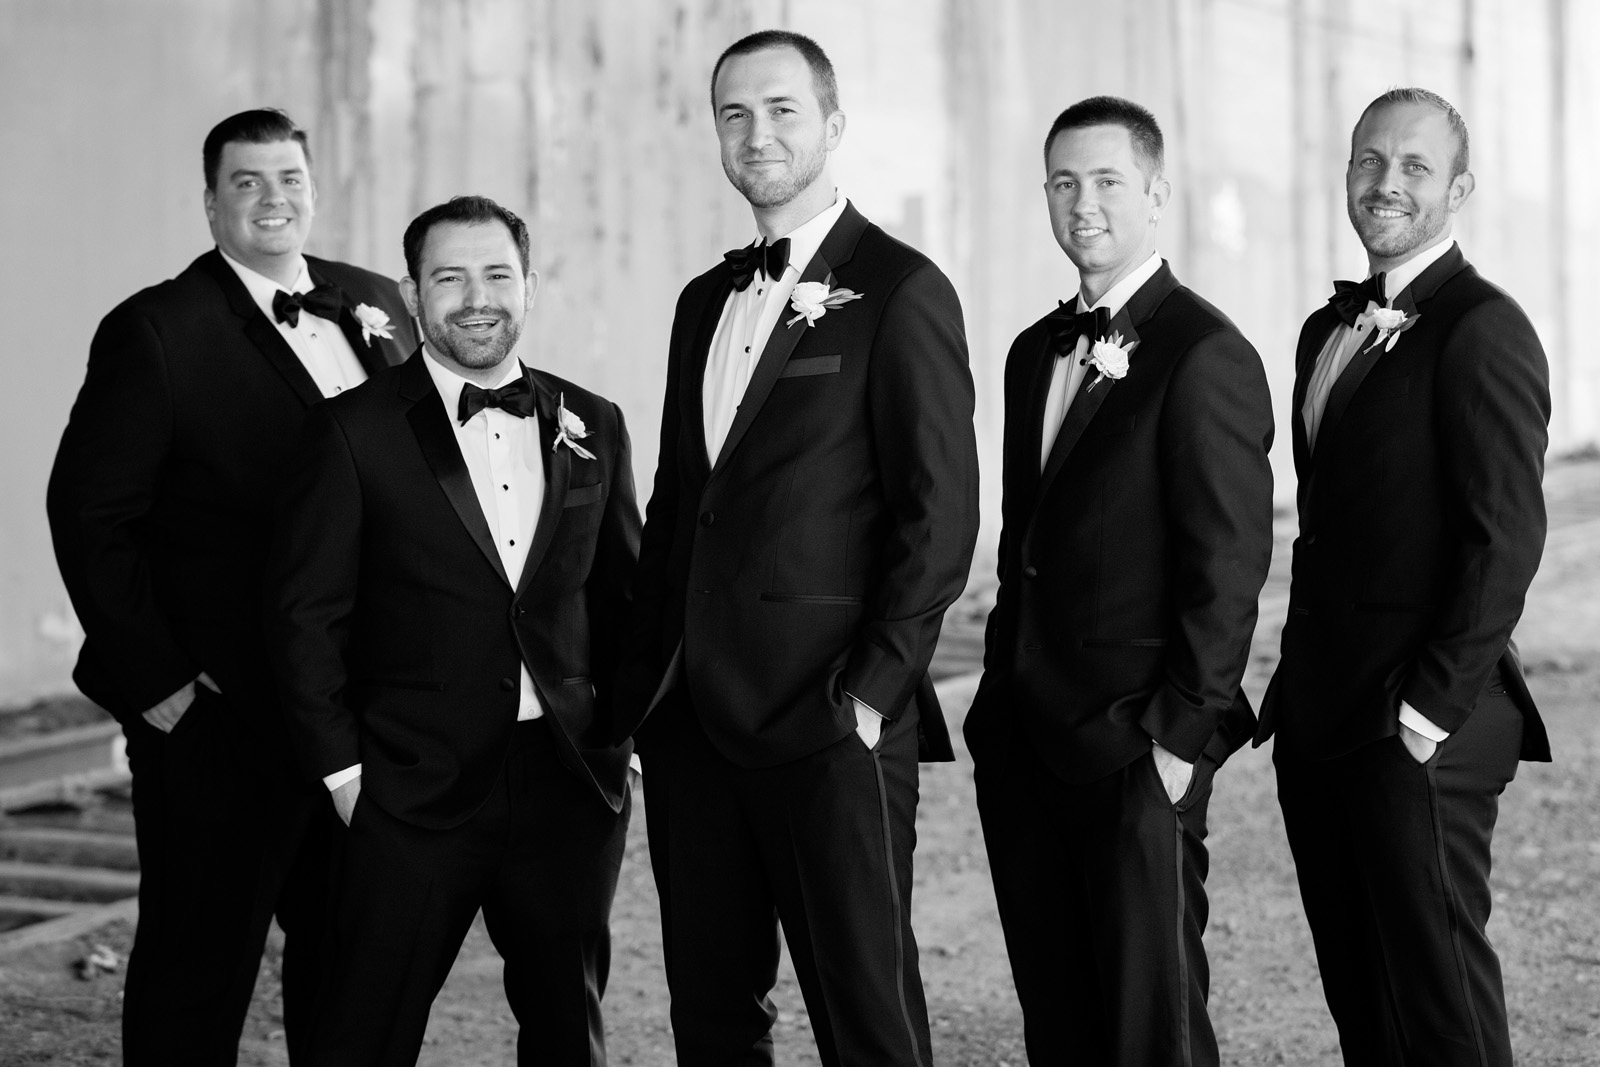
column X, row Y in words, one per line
column 578, row 495
column 1110, row 427
column 401, row 683
column 808, row 598
column 1124, row 642
column 801, row 368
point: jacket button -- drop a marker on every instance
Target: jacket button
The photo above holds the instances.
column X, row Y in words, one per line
column 1030, row 571
column 508, row 684
column 1310, row 539
column 518, row 612
column 707, row 518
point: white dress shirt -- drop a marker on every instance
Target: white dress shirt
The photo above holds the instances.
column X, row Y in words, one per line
column 1337, row 351
column 748, row 319
column 1070, row 371
column 503, row 456
column 321, row 345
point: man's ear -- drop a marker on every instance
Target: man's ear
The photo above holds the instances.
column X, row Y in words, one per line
column 211, row 205
column 532, row 281
column 1160, row 193
column 408, row 293
column 1461, row 187
column 833, row 127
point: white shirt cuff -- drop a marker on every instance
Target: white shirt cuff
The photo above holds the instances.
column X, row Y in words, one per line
column 1410, row 716
column 337, row 778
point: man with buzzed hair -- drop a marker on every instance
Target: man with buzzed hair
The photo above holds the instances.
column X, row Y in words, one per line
column 161, row 509
column 814, row 513
column 1137, row 529
column 1420, row 408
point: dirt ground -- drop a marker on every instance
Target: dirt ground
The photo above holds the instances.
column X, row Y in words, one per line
column 1266, row 998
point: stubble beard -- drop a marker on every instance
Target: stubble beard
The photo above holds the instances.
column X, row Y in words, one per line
column 1427, row 221
column 776, row 192
column 466, row 352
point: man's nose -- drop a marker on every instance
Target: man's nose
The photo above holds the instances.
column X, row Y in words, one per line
column 477, row 293
column 759, row 133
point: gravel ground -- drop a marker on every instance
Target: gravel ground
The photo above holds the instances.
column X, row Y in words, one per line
column 1266, row 997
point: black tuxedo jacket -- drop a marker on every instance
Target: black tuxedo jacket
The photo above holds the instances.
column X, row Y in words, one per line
column 1131, row 566
column 816, row 555
column 1421, row 521
column 396, row 635
column 161, row 500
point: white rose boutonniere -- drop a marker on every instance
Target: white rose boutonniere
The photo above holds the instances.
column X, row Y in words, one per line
column 1390, row 323
column 1110, row 358
column 813, row 299
column 569, row 430
column 374, row 323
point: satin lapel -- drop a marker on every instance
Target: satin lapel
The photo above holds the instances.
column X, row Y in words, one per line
column 1354, row 373
column 262, row 333
column 432, row 427
column 1086, row 402
column 557, row 475
column 835, row 252
column 693, row 398
column 1036, row 398
column 1313, row 336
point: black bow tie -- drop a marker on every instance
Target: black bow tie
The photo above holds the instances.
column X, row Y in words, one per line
column 324, row 302
column 1067, row 326
column 514, row 398
column 1350, row 299
column 771, row 259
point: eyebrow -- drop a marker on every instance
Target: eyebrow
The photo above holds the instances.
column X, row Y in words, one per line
column 733, row 106
column 1067, row 172
column 491, row 266
column 246, row 173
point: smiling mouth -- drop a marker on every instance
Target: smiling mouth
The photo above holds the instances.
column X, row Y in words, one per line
column 272, row 223
column 476, row 323
column 1088, row 232
column 1385, row 212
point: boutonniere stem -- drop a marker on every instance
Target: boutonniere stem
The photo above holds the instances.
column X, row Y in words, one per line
column 1110, row 358
column 1388, row 324
column 569, row 430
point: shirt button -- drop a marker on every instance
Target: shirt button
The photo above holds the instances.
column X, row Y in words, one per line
column 512, row 542
column 506, row 487
column 760, row 291
column 497, row 437
column 1030, row 572
column 747, row 348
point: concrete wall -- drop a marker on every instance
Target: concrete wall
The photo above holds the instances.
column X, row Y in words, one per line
column 590, row 117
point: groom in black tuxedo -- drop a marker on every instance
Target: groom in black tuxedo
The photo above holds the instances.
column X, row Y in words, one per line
column 450, row 575
column 1137, row 529
column 814, row 514
column 1421, row 402
column 160, row 507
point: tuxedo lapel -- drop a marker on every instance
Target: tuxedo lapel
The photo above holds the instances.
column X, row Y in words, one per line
column 1363, row 361
column 557, row 475
column 1087, row 400
column 368, row 350
column 260, row 331
column 1036, row 399
column 438, row 440
column 835, row 252
column 693, row 399
column 1313, row 338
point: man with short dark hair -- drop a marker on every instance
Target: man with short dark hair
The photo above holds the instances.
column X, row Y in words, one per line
column 451, row 569
column 1137, row 529
column 160, row 506
column 814, row 513
column 1420, row 409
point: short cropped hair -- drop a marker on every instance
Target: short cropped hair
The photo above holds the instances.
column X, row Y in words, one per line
column 261, row 126
column 822, row 76
column 1149, row 150
column 469, row 210
column 1413, row 95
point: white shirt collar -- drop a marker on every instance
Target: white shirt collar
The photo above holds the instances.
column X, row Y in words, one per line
column 449, row 383
column 1396, row 280
column 262, row 288
column 1118, row 295
column 806, row 238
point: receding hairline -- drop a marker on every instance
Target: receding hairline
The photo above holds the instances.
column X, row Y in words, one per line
column 779, row 47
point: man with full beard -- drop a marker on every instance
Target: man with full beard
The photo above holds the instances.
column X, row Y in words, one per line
column 1420, row 409
column 452, row 564
column 814, row 513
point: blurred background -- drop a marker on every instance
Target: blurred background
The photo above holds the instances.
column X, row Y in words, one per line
column 591, row 119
